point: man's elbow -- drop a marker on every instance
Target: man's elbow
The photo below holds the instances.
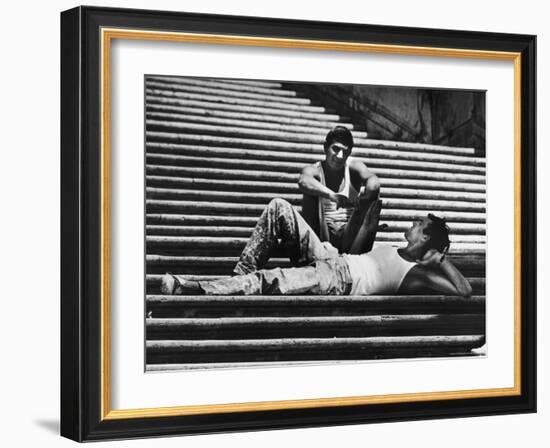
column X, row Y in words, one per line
column 304, row 183
column 465, row 290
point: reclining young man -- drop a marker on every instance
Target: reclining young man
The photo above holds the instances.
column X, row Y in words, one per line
column 419, row 268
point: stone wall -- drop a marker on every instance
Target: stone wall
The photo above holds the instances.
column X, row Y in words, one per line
column 445, row 117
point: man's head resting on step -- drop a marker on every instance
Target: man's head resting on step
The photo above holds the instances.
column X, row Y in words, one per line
column 428, row 233
column 338, row 145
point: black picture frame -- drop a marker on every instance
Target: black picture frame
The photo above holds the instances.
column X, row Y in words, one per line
column 81, row 224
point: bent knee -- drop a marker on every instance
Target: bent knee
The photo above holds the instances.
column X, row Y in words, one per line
column 373, row 185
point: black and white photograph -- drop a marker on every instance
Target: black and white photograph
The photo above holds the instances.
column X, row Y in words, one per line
column 275, row 223
column 292, row 223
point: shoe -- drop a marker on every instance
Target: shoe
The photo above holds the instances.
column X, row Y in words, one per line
column 172, row 285
column 169, row 285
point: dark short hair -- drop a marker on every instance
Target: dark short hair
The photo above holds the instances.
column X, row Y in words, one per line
column 438, row 231
column 339, row 134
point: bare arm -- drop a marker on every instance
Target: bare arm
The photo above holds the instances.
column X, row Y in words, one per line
column 437, row 273
column 309, row 183
column 366, row 178
column 462, row 285
column 310, row 186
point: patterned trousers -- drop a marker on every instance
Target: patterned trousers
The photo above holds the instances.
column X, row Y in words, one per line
column 322, row 270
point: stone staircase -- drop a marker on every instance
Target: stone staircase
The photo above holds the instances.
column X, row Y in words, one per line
column 217, row 151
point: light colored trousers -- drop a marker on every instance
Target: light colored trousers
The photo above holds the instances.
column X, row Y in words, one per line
column 322, row 270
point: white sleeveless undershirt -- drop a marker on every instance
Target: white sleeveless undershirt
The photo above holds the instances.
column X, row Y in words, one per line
column 380, row 271
column 334, row 217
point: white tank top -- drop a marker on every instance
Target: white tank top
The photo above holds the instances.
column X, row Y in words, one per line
column 380, row 271
column 333, row 217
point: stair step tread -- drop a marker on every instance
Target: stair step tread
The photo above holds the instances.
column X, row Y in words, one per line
column 245, row 232
column 415, row 303
column 241, row 241
column 401, row 186
column 319, row 121
column 222, row 83
column 255, row 82
column 223, row 265
column 233, row 172
column 315, row 300
column 259, row 110
column 254, row 119
column 201, row 219
column 396, row 200
column 233, row 246
column 209, row 141
column 237, row 130
column 459, row 260
column 282, row 149
column 309, row 320
column 249, row 121
column 392, row 209
column 390, row 342
column 234, row 100
column 237, row 328
column 250, row 221
column 478, row 281
column 186, row 189
column 267, row 306
column 222, row 91
column 272, row 165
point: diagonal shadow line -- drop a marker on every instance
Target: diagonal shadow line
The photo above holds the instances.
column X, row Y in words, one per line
column 50, row 425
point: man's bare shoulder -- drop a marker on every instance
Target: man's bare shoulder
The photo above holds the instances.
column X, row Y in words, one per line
column 313, row 170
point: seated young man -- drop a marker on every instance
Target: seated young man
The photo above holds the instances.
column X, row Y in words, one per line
column 337, row 191
column 418, row 268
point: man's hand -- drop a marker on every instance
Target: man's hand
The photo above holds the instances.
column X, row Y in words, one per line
column 341, row 200
column 431, row 259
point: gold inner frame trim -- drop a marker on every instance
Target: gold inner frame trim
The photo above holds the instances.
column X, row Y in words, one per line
column 107, row 34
